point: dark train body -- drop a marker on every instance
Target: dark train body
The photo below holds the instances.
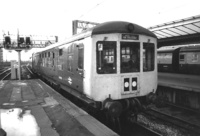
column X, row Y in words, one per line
column 179, row 59
column 94, row 65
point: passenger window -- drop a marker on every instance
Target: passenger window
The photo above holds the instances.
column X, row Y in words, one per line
column 70, row 58
column 53, row 56
column 148, row 56
column 195, row 57
column 69, row 63
column 60, row 52
column 181, row 57
column 106, row 57
column 130, row 57
column 80, row 56
column 45, row 60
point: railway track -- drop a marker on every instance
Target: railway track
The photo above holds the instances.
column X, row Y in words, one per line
column 26, row 72
column 5, row 74
column 137, row 129
column 3, row 69
column 147, row 131
column 176, row 119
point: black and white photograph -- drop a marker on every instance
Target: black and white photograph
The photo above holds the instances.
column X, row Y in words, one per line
column 99, row 68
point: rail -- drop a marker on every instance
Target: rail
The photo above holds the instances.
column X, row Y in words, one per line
column 174, row 120
column 147, row 130
column 5, row 74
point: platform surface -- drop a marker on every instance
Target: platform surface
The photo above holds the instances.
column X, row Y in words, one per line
column 32, row 108
column 179, row 81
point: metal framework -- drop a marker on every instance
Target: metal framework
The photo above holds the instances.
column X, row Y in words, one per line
column 81, row 25
column 181, row 27
column 36, row 41
column 181, row 31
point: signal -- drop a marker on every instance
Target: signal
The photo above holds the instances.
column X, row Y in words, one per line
column 28, row 40
column 21, row 40
column 7, row 41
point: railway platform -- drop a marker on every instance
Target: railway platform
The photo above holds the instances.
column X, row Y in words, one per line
column 32, row 108
column 180, row 89
column 179, row 81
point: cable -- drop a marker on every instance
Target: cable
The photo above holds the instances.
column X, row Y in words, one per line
column 98, row 4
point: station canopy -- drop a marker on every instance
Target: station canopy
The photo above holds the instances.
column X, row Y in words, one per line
column 179, row 31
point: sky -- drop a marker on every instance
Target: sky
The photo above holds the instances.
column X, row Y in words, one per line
column 54, row 17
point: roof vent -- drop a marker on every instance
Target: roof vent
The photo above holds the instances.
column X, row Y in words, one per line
column 130, row 27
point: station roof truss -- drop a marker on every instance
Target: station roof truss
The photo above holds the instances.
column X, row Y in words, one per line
column 179, row 31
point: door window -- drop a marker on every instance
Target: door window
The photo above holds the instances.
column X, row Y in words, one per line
column 106, row 57
column 80, row 56
column 130, row 57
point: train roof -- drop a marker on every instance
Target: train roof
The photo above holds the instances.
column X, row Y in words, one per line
column 106, row 28
column 121, row 27
column 167, row 49
column 183, row 48
column 192, row 48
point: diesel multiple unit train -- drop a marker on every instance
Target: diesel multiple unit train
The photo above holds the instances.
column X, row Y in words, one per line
column 111, row 66
column 179, row 59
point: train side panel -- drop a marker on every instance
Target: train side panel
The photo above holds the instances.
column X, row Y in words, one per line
column 36, row 63
column 74, row 65
column 67, row 65
column 189, row 62
column 47, row 65
column 88, row 67
column 181, row 59
column 148, row 77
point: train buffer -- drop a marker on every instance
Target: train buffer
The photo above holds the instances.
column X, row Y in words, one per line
column 30, row 107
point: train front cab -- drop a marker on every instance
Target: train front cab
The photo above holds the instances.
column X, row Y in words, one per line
column 113, row 76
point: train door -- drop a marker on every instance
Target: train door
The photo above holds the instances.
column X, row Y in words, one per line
column 130, row 63
column 55, row 60
column 79, row 73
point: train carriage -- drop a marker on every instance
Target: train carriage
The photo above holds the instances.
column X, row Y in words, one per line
column 168, row 59
column 110, row 63
column 179, row 59
column 189, row 60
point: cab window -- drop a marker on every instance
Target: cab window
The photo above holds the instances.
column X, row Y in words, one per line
column 130, row 57
column 148, row 56
column 106, row 57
